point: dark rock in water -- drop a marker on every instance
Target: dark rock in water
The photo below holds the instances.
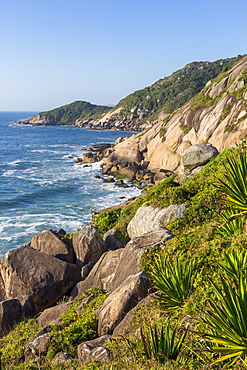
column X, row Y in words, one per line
column 109, row 179
column 121, row 184
column 78, row 160
column 99, row 147
column 98, row 177
column 27, row 271
column 48, row 242
column 94, row 350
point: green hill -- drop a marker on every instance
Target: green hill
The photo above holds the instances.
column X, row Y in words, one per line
column 68, row 114
column 170, row 93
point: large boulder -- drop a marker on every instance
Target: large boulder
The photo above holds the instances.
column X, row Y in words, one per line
column 94, row 350
column 198, row 155
column 115, row 266
column 27, row 271
column 12, row 311
column 48, row 242
column 88, row 245
column 149, row 218
column 102, row 273
column 121, row 301
column 129, row 261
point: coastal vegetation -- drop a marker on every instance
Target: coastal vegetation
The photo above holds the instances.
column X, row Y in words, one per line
column 198, row 306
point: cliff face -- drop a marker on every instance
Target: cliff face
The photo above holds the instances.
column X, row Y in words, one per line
column 216, row 116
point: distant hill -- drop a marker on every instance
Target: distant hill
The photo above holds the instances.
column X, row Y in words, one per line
column 68, row 114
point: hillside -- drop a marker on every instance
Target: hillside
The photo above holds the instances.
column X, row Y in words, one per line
column 216, row 116
column 141, row 109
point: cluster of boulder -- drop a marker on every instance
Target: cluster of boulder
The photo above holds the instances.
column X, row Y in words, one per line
column 124, row 158
column 34, row 277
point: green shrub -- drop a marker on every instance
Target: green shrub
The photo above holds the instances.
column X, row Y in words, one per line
column 76, row 327
column 106, row 220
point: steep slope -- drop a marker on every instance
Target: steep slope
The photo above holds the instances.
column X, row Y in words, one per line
column 216, row 116
column 68, row 114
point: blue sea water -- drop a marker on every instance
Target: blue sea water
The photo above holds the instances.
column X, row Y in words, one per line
column 40, row 185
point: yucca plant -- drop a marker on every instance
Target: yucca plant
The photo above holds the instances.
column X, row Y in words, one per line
column 228, row 316
column 235, row 264
column 162, row 344
column 174, row 279
column 231, row 224
column 234, row 188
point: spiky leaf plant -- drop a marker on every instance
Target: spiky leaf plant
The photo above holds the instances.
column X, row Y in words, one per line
column 232, row 223
column 227, row 318
column 174, row 279
column 162, row 344
column 234, row 190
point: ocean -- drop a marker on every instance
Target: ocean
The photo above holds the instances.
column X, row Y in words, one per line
column 40, row 185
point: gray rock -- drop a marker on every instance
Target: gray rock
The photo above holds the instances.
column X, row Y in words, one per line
column 149, row 218
column 27, row 271
column 88, row 245
column 48, row 242
column 198, row 155
column 94, row 350
column 63, row 358
column 121, row 301
column 129, row 261
column 38, row 346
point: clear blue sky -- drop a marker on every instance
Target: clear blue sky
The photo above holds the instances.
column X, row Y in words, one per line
column 54, row 52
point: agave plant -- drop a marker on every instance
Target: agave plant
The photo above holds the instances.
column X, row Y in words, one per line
column 162, row 345
column 174, row 279
column 228, row 316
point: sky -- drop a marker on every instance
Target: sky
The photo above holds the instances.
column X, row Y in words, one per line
column 53, row 52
